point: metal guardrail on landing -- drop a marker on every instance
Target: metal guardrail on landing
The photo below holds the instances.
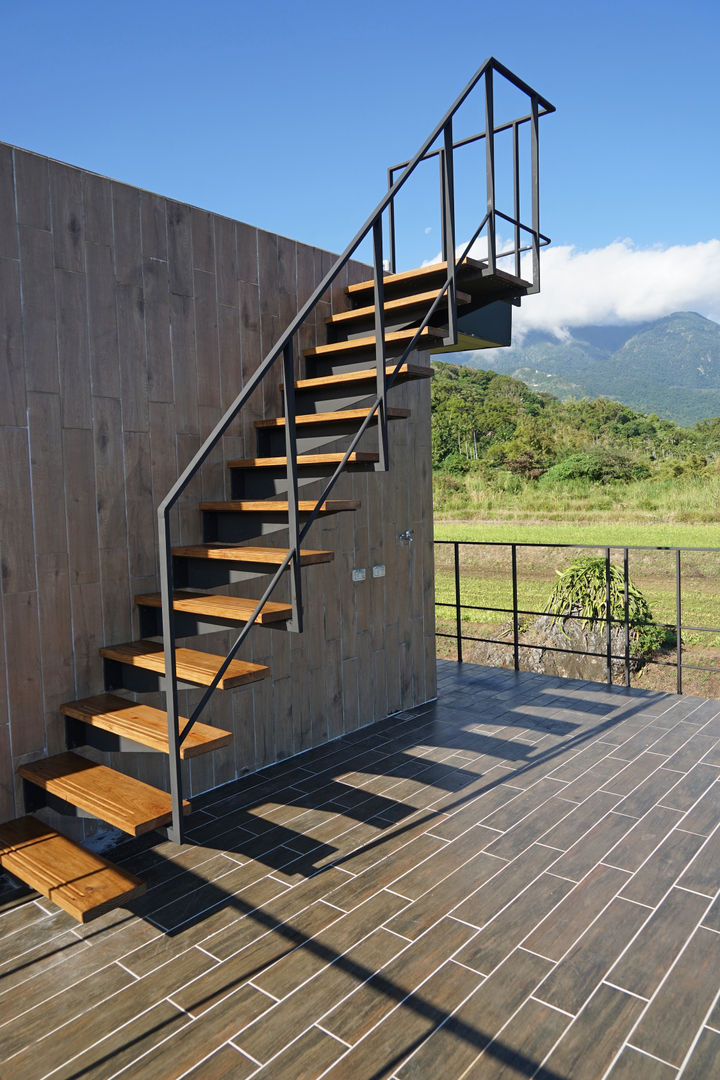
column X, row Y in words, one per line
column 382, row 216
column 678, row 626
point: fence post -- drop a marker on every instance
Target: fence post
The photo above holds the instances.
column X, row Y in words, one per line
column 678, row 618
column 458, row 623
column 626, row 568
column 608, row 616
column 516, row 648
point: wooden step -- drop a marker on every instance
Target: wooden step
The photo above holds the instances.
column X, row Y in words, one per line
column 342, row 417
column 427, row 338
column 143, row 724
column 418, row 278
column 192, row 666
column 258, row 556
column 369, row 375
column 123, row 801
column 211, row 605
column 77, row 880
column 421, row 299
column 358, row 457
column 266, row 506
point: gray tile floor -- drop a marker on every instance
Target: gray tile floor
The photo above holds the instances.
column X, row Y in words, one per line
column 518, row 880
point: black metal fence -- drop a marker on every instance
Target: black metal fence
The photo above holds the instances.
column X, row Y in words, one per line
column 678, row 626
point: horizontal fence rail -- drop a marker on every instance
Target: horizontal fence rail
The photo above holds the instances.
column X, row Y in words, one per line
column 607, row 619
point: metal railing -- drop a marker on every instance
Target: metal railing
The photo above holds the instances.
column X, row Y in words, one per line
column 284, row 347
column 678, row 626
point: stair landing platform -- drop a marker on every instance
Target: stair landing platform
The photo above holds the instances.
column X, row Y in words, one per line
column 519, row 879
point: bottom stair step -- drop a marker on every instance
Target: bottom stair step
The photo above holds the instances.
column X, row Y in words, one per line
column 143, row 724
column 77, row 880
column 123, row 801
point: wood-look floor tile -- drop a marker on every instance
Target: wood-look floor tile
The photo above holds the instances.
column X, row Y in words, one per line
column 632, row 1065
column 445, row 862
column 593, row 846
column 593, row 779
column 443, row 897
column 369, row 1004
column 653, row 951
column 564, row 925
column 297, row 967
column 705, row 814
column 122, row 1048
column 647, row 794
column 386, row 872
column 687, row 993
column 531, row 828
column 493, row 794
column 405, row 1027
column 263, row 950
column 703, row 873
column 512, row 812
column 580, row 820
column 522, row 1044
column 693, row 750
column 572, row 982
column 594, row 1037
column 453, row 1048
column 690, row 787
column 650, row 883
column 498, row 939
column 642, row 839
column 227, row 1063
column 504, row 886
column 305, row 1059
column 190, row 1045
column 704, row 1061
column 299, row 1011
column 635, row 773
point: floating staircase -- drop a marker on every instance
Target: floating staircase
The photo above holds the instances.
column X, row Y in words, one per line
column 330, row 415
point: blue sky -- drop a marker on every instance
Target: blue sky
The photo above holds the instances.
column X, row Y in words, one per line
column 286, row 114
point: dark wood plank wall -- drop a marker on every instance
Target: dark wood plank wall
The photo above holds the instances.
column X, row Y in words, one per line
column 128, row 323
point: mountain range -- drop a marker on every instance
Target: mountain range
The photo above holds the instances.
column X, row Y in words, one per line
column 670, row 366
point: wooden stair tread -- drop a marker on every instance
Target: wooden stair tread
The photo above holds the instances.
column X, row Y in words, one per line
column 79, row 881
column 192, row 666
column 395, row 337
column 341, row 416
column 129, row 804
column 223, row 607
column 305, row 506
column 268, row 555
column 413, row 300
column 358, row 457
column 414, row 276
column 144, row 724
column 405, row 371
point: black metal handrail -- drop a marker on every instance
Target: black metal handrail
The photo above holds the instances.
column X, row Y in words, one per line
column 372, row 226
column 608, row 619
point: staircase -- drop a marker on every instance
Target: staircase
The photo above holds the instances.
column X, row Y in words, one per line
column 335, row 419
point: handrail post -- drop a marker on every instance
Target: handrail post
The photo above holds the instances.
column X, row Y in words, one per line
column 516, row 629
column 176, row 831
column 516, row 195
column 447, row 186
column 458, row 610
column 535, row 174
column 295, row 624
column 626, row 569
column 392, row 262
column 490, row 167
column 678, row 618
column 379, row 298
column 608, row 618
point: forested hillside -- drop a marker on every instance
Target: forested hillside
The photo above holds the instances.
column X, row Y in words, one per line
column 496, row 425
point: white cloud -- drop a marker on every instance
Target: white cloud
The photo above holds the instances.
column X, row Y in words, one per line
column 621, row 283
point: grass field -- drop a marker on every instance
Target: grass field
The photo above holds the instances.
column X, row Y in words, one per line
column 486, row 580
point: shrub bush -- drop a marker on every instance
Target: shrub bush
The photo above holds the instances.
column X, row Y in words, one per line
column 600, row 466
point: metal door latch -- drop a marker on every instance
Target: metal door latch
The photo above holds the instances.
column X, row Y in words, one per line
column 407, row 537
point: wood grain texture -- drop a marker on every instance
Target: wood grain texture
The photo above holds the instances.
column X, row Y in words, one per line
column 143, row 724
column 79, row 881
column 223, row 607
column 268, row 555
column 426, row 338
column 192, row 666
column 343, row 318
column 343, row 416
column 123, row 801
